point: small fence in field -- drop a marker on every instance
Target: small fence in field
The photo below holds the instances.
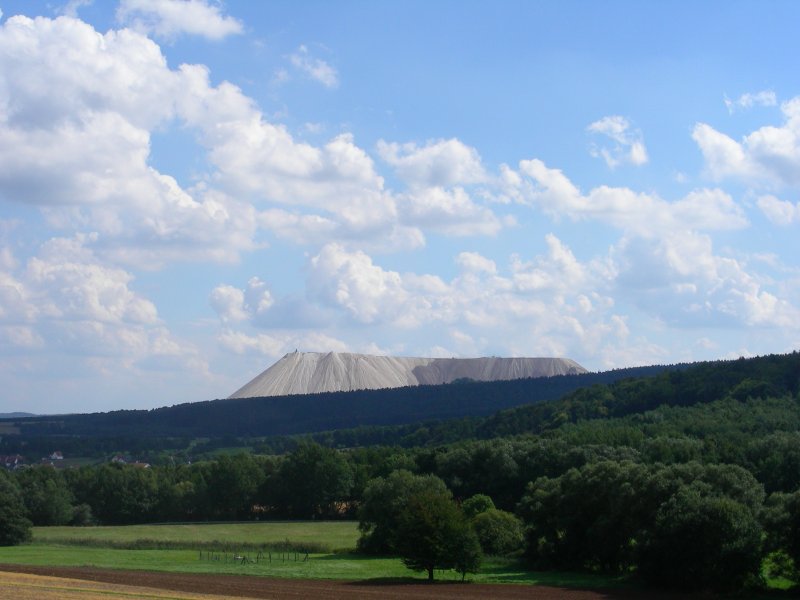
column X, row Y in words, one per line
column 260, row 557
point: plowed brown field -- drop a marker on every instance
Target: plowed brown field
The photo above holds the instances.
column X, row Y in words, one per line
column 227, row 586
column 23, row 586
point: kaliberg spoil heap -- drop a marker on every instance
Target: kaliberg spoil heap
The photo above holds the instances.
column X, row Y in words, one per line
column 314, row 372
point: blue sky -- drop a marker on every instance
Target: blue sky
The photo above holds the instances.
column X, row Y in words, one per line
column 191, row 189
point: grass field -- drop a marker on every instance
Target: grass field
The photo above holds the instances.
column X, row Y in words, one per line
column 189, row 546
column 331, row 535
column 57, row 546
column 318, row 566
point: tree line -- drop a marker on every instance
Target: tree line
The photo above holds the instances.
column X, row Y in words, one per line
column 687, row 525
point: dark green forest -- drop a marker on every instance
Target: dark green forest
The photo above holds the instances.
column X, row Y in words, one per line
column 305, row 413
column 686, row 478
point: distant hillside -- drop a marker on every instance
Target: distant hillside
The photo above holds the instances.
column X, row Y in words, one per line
column 414, row 416
column 761, row 377
column 773, row 376
column 307, row 413
column 16, row 415
column 317, row 372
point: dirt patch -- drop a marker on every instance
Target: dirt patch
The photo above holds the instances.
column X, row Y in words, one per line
column 289, row 589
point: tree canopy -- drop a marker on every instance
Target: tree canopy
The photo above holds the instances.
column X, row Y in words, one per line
column 432, row 533
column 15, row 528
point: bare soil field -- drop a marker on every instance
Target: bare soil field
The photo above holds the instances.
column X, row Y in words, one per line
column 23, row 586
column 228, row 586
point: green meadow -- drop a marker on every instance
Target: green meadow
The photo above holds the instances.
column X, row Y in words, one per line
column 212, row 548
column 327, row 536
column 317, row 566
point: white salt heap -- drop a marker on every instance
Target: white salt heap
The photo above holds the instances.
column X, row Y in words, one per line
column 313, row 372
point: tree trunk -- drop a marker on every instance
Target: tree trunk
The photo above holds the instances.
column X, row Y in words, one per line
column 430, row 574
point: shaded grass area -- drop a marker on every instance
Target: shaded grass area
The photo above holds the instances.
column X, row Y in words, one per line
column 501, row 570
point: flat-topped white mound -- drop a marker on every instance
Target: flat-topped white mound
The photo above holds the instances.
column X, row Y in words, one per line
column 314, row 372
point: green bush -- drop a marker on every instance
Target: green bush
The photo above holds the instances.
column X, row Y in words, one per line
column 477, row 504
column 499, row 532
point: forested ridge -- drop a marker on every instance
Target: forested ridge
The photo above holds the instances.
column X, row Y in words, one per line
column 306, row 413
column 688, row 478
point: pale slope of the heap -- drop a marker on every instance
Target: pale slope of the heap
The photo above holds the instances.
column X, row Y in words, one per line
column 314, row 372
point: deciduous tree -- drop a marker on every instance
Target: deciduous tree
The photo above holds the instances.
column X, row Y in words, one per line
column 432, row 533
column 46, row 495
column 384, row 499
column 702, row 542
column 15, row 528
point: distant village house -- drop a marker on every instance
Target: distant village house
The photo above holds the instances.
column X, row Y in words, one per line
column 12, row 461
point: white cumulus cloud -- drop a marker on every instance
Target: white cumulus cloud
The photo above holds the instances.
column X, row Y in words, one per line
column 472, row 261
column 66, row 316
column 769, row 155
column 749, row 100
column 680, row 279
column 449, row 211
column 83, row 154
column 438, row 163
column 350, row 280
column 644, row 214
column 665, row 260
column 543, row 301
column 84, row 157
column 170, row 18
column 780, row 212
column 66, row 300
column 233, row 304
column 314, row 68
column 628, row 144
column 72, row 7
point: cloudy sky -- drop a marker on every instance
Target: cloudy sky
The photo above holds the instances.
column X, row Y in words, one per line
column 189, row 189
